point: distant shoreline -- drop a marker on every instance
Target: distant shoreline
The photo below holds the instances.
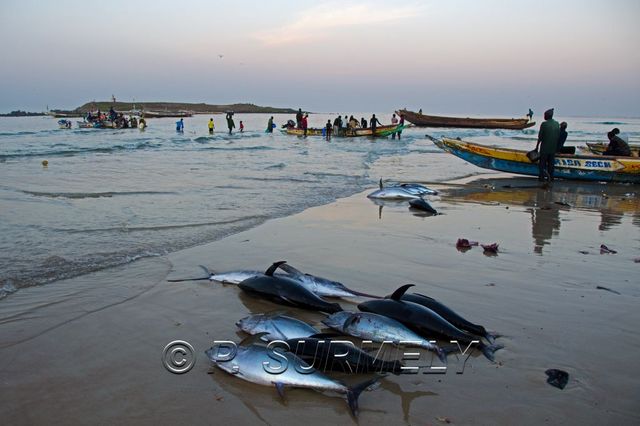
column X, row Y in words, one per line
column 172, row 107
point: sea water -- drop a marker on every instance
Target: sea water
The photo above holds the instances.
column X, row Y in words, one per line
column 109, row 197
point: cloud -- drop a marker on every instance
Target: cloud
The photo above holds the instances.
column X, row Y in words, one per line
column 313, row 23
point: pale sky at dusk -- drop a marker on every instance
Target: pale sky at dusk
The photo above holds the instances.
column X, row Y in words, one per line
column 455, row 56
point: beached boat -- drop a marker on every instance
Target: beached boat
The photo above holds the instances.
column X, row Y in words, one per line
column 567, row 166
column 600, row 147
column 423, row 120
column 381, row 131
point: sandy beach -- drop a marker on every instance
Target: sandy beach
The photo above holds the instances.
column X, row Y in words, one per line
column 88, row 349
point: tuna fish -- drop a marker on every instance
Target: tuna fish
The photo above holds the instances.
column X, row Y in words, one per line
column 277, row 326
column 378, row 328
column 272, row 367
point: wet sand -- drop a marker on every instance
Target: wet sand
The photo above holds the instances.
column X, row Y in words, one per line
column 88, row 350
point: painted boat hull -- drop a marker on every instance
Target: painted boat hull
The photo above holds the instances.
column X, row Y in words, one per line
column 381, row 131
column 577, row 167
column 423, row 120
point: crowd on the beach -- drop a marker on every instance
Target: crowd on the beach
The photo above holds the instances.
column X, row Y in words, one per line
column 551, row 139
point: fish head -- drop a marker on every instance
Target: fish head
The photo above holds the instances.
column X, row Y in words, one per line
column 222, row 353
column 337, row 319
column 250, row 323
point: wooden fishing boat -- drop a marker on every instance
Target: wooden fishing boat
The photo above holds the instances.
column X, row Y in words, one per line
column 381, row 131
column 567, row 166
column 600, row 147
column 423, row 120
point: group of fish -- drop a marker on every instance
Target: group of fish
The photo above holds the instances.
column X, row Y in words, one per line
column 412, row 192
column 400, row 317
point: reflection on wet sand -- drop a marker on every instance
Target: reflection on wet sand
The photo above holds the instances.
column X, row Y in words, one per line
column 545, row 219
column 611, row 201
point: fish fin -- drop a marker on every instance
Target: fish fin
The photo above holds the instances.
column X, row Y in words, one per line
column 206, row 270
column 354, row 393
column 353, row 318
column 400, row 291
column 249, row 340
column 488, row 351
column 442, row 355
column 269, row 272
column 280, row 388
column 290, row 269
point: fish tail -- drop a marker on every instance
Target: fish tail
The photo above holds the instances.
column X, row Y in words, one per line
column 206, row 270
column 442, row 355
column 489, row 350
column 354, row 393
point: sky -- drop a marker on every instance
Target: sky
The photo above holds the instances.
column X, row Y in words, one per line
column 455, row 56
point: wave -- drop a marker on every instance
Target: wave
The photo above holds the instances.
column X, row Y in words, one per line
column 82, row 195
column 125, row 228
column 239, row 148
column 80, row 151
column 611, row 123
column 276, row 166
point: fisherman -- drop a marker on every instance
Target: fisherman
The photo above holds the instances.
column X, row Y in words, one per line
column 363, row 123
column 420, row 112
column 530, row 114
column 617, row 146
column 328, row 130
column 547, row 141
column 211, row 126
column 270, row 125
column 142, row 124
column 562, row 138
column 394, row 121
column 112, row 114
column 241, row 127
column 353, row 123
column 230, row 124
column 180, row 126
column 374, row 122
column 401, row 124
column 337, row 125
column 305, row 123
column 299, row 118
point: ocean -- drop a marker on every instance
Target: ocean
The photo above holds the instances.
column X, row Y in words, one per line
column 109, row 197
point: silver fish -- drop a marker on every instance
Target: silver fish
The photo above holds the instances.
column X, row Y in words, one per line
column 378, row 328
column 248, row 363
column 322, row 286
column 393, row 193
column 277, row 326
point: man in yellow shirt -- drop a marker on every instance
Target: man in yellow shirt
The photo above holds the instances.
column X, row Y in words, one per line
column 211, row 126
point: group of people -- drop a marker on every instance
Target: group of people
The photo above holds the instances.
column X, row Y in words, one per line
column 211, row 125
column 117, row 118
column 551, row 139
column 340, row 126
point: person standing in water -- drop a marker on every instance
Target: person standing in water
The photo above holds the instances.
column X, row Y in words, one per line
column 394, row 121
column 230, row 124
column 305, row 123
column 270, row 125
column 180, row 126
column 401, row 124
column 328, row 129
column 241, row 127
column 211, row 126
column 374, row 123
